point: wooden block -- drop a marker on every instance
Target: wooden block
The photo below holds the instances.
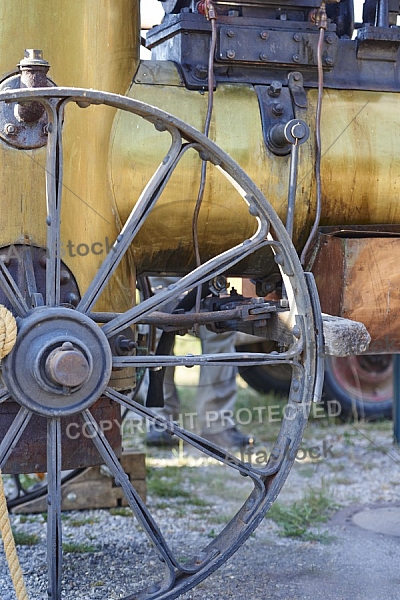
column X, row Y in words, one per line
column 95, row 488
column 358, row 278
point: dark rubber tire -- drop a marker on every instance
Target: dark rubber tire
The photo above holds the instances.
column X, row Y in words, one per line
column 361, row 384
column 265, row 378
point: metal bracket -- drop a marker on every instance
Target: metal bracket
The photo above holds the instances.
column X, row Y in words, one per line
column 276, row 109
column 25, row 125
column 297, row 91
column 278, row 106
column 382, row 42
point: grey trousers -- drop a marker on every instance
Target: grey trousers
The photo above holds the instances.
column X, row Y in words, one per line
column 216, row 392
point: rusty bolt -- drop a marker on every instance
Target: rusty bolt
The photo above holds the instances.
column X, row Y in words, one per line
column 296, row 58
column 231, row 54
column 296, row 386
column 230, row 33
column 296, row 331
column 201, row 72
column 275, row 89
column 258, row 300
column 277, row 109
column 71, row 298
column 263, row 56
column 264, row 35
column 64, row 276
column 67, row 366
column 10, row 129
column 33, row 57
column 297, row 37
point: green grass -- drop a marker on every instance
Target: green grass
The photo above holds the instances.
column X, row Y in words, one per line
column 166, row 482
column 25, row 539
column 295, row 521
column 22, row 538
column 75, row 548
column 121, row 511
column 81, row 522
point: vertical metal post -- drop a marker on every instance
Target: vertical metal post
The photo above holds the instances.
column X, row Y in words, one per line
column 396, row 398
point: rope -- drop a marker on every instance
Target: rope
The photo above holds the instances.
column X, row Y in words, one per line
column 9, row 547
column 8, row 336
column 8, row 331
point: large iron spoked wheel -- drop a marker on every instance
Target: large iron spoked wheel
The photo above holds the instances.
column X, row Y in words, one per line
column 63, row 359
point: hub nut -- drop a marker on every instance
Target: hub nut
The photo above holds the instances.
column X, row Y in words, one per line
column 67, row 366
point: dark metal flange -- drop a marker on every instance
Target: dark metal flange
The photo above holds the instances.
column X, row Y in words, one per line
column 60, row 364
column 13, row 130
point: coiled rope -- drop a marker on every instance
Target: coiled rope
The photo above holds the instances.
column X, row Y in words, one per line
column 8, row 336
column 8, row 331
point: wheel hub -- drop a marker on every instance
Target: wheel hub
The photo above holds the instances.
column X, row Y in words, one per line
column 60, row 364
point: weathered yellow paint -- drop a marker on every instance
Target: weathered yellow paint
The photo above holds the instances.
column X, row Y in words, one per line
column 224, row 219
column 92, row 44
column 360, row 165
column 361, row 159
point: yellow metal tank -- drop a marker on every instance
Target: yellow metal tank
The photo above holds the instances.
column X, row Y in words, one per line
column 90, row 44
column 360, row 165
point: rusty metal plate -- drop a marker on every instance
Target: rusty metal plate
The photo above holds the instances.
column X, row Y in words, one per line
column 260, row 45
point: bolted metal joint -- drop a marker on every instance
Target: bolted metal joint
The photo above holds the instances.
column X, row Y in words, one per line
column 25, row 124
column 33, row 70
column 293, row 132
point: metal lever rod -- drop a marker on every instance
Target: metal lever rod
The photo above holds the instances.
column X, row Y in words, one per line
column 294, row 162
column 295, row 132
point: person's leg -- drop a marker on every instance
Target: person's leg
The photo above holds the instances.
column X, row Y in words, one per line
column 216, row 395
column 170, row 411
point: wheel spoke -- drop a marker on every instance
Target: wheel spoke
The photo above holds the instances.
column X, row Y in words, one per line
column 213, row 450
column 135, row 502
column 33, row 296
column 205, row 272
column 138, row 216
column 12, row 291
column 54, row 178
column 54, row 530
column 4, row 395
column 238, row 359
column 14, row 434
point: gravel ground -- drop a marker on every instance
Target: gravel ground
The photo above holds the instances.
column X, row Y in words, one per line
column 360, row 466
